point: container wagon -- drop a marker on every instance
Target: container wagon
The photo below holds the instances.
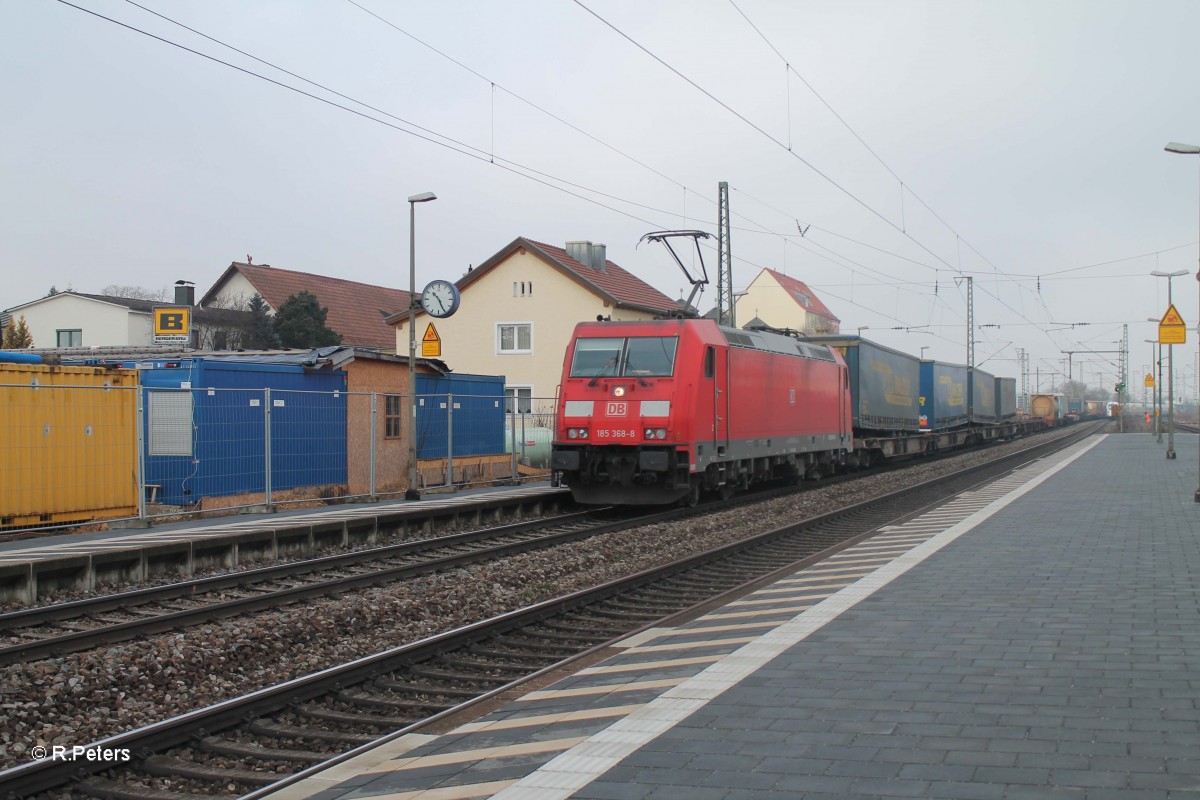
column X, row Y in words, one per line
column 943, row 395
column 1048, row 407
column 1006, row 398
column 885, row 384
column 68, row 444
column 981, row 397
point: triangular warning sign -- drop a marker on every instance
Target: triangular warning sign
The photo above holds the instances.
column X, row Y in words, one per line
column 1171, row 317
column 431, row 334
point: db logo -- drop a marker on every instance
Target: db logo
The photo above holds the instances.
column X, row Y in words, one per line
column 617, row 409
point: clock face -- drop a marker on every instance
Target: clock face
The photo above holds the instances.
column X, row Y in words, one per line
column 440, row 298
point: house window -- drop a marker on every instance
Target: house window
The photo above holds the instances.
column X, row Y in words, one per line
column 522, row 288
column 393, row 423
column 514, row 338
column 70, row 338
column 520, row 399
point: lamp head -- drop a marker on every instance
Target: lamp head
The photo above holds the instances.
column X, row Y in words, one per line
column 423, row 197
column 1184, row 149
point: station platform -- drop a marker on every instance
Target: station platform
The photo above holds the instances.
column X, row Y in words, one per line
column 1036, row 638
column 84, row 561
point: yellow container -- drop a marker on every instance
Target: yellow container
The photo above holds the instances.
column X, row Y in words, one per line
column 68, row 444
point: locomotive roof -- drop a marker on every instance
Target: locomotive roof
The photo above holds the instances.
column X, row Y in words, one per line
column 776, row 343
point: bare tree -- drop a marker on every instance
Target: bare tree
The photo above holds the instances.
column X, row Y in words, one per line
column 133, row 292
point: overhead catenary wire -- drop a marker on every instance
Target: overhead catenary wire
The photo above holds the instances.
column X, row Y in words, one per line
column 526, row 171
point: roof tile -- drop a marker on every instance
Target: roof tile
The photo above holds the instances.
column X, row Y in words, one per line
column 356, row 310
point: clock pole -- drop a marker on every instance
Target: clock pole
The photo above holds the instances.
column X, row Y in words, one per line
column 413, row 493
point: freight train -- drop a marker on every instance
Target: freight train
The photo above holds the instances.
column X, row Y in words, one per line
column 659, row 411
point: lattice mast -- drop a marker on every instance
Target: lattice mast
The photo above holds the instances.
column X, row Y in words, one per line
column 725, row 304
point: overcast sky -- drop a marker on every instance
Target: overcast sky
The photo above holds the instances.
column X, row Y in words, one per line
column 1019, row 142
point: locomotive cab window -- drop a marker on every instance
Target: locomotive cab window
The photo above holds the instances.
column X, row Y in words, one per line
column 640, row 356
column 710, row 361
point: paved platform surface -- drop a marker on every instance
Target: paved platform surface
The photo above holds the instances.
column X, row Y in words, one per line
column 1039, row 638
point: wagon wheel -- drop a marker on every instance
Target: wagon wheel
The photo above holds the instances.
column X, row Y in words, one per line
column 692, row 498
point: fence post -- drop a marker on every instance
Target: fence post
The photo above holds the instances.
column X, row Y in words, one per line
column 267, row 445
column 450, row 439
column 141, row 452
column 512, row 424
column 374, row 433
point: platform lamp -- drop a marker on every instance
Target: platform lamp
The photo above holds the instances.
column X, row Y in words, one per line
column 1154, row 363
column 1170, row 368
column 413, row 492
column 1188, row 150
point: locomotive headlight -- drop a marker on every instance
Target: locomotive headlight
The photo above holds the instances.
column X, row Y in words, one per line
column 662, row 433
column 649, row 433
column 618, row 391
column 572, row 433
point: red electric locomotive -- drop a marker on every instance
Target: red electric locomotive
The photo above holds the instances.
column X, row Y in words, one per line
column 656, row 411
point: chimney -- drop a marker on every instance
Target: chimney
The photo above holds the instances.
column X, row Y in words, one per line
column 185, row 293
column 588, row 254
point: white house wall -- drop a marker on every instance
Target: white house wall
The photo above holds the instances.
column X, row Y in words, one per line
column 101, row 323
column 234, row 293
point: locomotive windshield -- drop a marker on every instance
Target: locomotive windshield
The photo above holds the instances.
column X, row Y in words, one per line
column 637, row 356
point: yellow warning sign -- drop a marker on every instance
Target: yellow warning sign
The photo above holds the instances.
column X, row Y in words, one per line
column 1149, row 380
column 431, row 343
column 1171, row 328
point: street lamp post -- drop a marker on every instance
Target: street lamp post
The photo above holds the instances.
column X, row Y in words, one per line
column 1189, row 150
column 1154, row 393
column 413, row 492
column 1170, row 367
column 924, row 347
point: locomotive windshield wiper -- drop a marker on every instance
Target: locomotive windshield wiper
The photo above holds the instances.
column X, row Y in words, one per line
column 612, row 362
column 629, row 370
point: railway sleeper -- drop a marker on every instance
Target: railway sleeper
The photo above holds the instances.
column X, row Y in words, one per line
column 518, row 652
column 539, row 640
column 485, row 665
column 552, row 647
column 115, row 790
column 636, row 606
column 278, row 730
column 171, row 767
column 400, row 703
column 225, row 747
column 417, row 710
column 458, row 677
column 423, row 688
column 583, row 625
column 355, row 720
column 616, row 614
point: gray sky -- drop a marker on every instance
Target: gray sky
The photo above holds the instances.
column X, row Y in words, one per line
column 1027, row 134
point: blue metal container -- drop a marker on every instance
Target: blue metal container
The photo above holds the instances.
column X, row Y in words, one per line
column 207, row 424
column 11, row 357
column 981, row 397
column 476, row 406
column 885, row 384
column 1006, row 397
column 943, row 395
column 1075, row 405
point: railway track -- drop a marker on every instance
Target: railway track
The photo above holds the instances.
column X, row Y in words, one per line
column 244, row 744
column 77, row 625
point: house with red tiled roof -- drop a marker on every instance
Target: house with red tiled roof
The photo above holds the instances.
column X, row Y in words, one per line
column 781, row 301
column 520, row 307
column 356, row 310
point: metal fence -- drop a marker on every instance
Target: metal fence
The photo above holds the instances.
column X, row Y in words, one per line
column 71, row 455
